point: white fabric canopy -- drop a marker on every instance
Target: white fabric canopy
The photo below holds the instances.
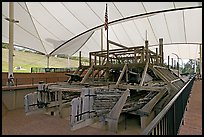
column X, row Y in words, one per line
column 69, row 27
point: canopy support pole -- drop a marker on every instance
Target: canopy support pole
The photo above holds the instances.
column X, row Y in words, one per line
column 11, row 24
column 48, row 61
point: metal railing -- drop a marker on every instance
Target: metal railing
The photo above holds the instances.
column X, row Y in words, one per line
column 32, row 81
column 168, row 121
column 43, row 70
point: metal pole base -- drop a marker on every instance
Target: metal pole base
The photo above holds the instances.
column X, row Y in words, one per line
column 10, row 82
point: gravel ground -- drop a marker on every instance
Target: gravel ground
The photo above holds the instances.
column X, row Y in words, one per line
column 17, row 123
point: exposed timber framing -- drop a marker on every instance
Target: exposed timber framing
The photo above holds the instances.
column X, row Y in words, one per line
column 146, row 66
column 87, row 74
column 117, row 44
column 113, row 116
column 121, row 74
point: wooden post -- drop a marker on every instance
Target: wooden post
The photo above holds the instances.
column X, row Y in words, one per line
column 168, row 61
column 121, row 74
column 135, row 55
column 142, row 55
column 172, row 62
column 90, row 63
column 146, row 66
column 161, row 49
column 157, row 60
column 79, row 58
column 146, row 48
column 95, row 62
column 99, row 61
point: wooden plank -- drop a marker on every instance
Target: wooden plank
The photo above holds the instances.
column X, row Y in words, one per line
column 144, row 73
column 163, row 77
column 117, row 50
column 121, row 74
column 87, row 74
column 117, row 44
column 145, row 110
column 113, row 116
column 133, row 87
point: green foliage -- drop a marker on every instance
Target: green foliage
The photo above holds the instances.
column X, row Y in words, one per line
column 189, row 67
column 5, row 45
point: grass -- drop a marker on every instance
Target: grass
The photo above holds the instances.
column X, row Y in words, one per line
column 27, row 60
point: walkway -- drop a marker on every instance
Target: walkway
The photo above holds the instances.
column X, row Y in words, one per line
column 193, row 115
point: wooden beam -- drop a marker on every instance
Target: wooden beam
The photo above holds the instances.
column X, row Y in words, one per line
column 144, row 73
column 135, row 87
column 164, row 78
column 113, row 116
column 121, row 74
column 150, row 105
column 87, row 74
column 104, row 52
column 146, row 66
column 117, row 44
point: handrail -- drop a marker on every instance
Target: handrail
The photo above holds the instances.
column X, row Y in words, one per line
column 157, row 119
column 33, row 80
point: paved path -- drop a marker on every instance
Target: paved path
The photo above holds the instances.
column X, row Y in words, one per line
column 193, row 115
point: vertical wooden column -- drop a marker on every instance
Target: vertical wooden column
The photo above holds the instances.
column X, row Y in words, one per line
column 135, row 55
column 172, row 62
column 146, row 66
column 79, row 58
column 99, row 61
column 95, row 60
column 90, row 63
column 142, row 55
column 161, row 50
column 146, row 49
column 157, row 60
column 168, row 62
